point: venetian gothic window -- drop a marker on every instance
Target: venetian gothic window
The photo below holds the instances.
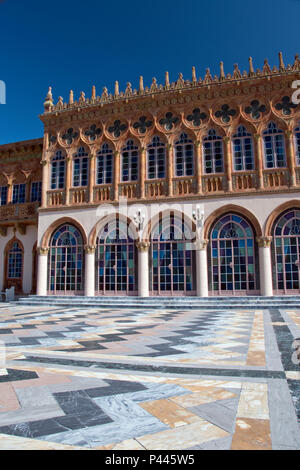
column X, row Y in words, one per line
column 36, row 191
column 242, row 143
column 3, row 195
column 80, row 167
column 116, row 259
column 297, row 144
column 104, row 165
column 184, row 156
column 213, row 153
column 286, row 252
column 66, row 260
column 58, row 169
column 274, row 147
column 156, row 152
column 15, row 261
column 19, row 193
column 130, row 162
column 232, row 255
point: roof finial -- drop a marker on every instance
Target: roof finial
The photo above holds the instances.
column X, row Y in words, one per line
column 141, row 85
column 281, row 64
column 71, row 97
column 266, row 68
column 93, row 92
column 167, row 81
column 222, row 74
column 251, row 69
column 194, row 77
column 296, row 65
column 48, row 103
column 116, row 89
column 236, row 73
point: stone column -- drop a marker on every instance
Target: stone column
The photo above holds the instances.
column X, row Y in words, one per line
column 198, row 148
column 143, row 268
column 259, row 161
column 291, row 157
column 170, row 169
column 89, row 271
column 265, row 266
column 68, row 178
column 116, row 175
column 201, row 268
column 42, row 271
column 228, row 160
column 142, row 172
column 92, row 161
column 45, row 182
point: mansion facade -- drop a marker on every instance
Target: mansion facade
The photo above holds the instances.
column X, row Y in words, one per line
column 189, row 188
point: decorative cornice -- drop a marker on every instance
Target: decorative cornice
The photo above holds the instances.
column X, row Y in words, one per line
column 264, row 242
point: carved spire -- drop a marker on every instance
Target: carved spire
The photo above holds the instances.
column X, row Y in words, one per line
column 296, row 65
column 167, row 81
column 153, row 85
column 281, row 64
column 222, row 74
column 194, row 77
column 93, row 92
column 251, row 69
column 82, row 97
column 208, row 77
column 128, row 90
column 236, row 73
column 48, row 103
column 141, row 85
column 266, row 68
column 104, row 95
column 116, row 89
column 71, row 97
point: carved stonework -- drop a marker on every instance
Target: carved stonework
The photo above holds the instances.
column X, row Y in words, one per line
column 201, row 244
column 264, row 242
column 89, row 250
column 42, row 251
column 142, row 245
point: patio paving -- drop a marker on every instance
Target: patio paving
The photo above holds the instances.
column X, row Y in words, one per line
column 126, row 379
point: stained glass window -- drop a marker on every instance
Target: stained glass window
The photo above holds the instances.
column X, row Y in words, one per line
column 130, row 162
column 15, row 262
column 243, row 158
column 58, row 167
column 184, row 156
column 213, row 153
column 104, row 165
column 274, row 147
column 80, row 167
column 156, row 151
column 297, row 144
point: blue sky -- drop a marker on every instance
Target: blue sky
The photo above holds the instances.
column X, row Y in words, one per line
column 74, row 45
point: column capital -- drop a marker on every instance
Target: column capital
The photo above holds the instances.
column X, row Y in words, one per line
column 197, row 143
column 42, row 251
column 169, row 146
column 257, row 136
column 226, row 139
column 89, row 249
column 201, row 244
column 264, row 242
column 142, row 245
column 44, row 162
column 288, row 133
column 116, row 153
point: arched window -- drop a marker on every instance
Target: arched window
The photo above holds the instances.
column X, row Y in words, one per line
column 274, row 147
column 116, row 260
column 184, row 156
column 286, row 252
column 232, row 256
column 172, row 264
column 66, row 260
column 297, row 144
column 130, row 162
column 15, row 262
column 58, row 168
column 213, row 153
column 104, row 165
column 156, row 151
column 243, row 158
column 80, row 167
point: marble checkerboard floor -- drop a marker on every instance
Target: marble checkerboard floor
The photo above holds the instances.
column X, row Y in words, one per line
column 92, row 378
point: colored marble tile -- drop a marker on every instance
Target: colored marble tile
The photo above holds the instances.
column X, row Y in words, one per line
column 169, row 413
column 207, row 395
column 252, row 434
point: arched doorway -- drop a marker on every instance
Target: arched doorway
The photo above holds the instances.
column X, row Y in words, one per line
column 172, row 259
column 116, row 260
column 66, row 257
column 232, row 257
column 286, row 253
